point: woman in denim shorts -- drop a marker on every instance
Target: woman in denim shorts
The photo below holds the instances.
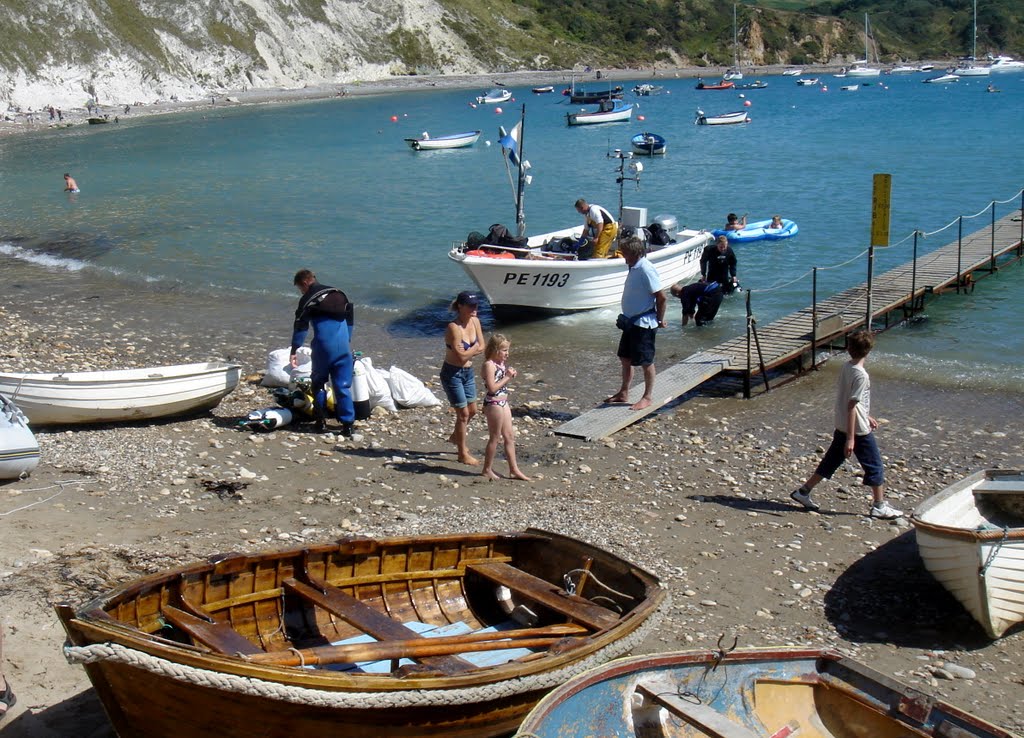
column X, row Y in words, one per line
column 463, row 339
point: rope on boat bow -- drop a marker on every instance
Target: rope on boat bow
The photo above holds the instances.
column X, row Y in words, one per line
column 115, row 652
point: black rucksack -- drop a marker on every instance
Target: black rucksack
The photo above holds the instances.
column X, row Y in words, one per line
column 475, row 239
column 499, row 236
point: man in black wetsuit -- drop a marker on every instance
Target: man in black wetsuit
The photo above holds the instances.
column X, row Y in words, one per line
column 718, row 264
column 700, row 301
column 330, row 313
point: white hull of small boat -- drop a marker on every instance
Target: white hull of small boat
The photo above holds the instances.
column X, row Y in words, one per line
column 903, row 70
column 971, row 539
column 793, row 72
column 120, row 395
column 1006, row 64
column 733, row 75
column 615, row 115
column 808, row 82
column 19, row 451
column 538, row 285
column 543, row 90
column 863, row 72
column 648, row 144
column 725, row 119
column 452, row 141
column 494, row 97
column 972, row 71
column 942, row 79
column 850, row 88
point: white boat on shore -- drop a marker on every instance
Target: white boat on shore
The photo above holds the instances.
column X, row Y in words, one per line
column 971, row 539
column 792, row 72
column 451, row 141
column 121, row 394
column 725, row 119
column 19, row 450
column 608, row 111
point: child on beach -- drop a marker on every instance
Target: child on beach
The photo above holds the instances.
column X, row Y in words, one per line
column 853, row 434
column 499, row 415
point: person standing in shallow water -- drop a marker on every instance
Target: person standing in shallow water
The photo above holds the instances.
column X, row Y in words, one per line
column 70, row 185
column 463, row 340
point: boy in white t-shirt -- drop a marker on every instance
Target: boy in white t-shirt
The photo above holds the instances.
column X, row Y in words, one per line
column 853, row 432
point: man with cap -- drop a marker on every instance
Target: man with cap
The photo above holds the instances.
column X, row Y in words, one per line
column 330, row 313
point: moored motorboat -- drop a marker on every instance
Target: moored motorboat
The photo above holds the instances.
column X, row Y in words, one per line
column 756, row 85
column 942, row 79
column 808, row 81
column 1004, row 63
column 450, row 141
column 121, row 394
column 850, row 88
column 760, row 231
column 581, row 96
column 903, row 69
column 446, row 635
column 646, row 90
column 497, row 95
column 792, row 72
column 543, row 90
column 723, row 85
column 19, row 450
column 608, row 111
column 971, row 539
column 725, row 119
column 650, row 144
column 745, row 693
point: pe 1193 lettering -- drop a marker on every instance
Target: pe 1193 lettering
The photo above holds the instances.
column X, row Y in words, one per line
column 550, row 279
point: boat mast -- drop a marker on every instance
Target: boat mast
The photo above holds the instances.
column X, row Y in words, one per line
column 520, row 214
column 867, row 57
column 735, row 48
column 974, row 47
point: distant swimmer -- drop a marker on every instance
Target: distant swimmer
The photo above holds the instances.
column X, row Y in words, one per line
column 70, row 185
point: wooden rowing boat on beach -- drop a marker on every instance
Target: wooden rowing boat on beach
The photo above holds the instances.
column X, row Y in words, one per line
column 453, row 635
column 122, row 394
column 971, row 539
column 776, row 693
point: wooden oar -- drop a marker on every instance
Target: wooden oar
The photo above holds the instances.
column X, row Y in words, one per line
column 417, row 648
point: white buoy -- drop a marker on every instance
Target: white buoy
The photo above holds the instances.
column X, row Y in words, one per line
column 360, row 392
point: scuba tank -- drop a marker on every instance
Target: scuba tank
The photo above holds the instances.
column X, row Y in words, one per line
column 360, row 392
column 268, row 419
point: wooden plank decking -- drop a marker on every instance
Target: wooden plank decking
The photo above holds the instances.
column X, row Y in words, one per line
column 954, row 266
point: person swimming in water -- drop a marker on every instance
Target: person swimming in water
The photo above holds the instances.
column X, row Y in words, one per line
column 70, row 185
column 463, row 340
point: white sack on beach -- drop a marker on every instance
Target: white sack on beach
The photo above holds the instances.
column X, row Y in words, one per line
column 377, row 382
column 279, row 369
column 409, row 391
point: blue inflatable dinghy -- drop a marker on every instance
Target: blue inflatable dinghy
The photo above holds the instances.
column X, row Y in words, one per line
column 760, row 231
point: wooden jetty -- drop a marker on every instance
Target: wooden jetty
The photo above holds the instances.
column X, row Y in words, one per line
column 795, row 338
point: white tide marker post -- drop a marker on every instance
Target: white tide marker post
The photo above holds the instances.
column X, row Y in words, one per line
column 881, row 196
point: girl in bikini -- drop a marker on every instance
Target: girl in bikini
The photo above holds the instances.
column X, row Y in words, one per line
column 463, row 340
column 499, row 415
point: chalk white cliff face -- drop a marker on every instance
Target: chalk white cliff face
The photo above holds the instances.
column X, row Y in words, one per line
column 66, row 52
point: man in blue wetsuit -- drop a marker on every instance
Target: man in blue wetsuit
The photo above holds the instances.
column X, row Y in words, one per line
column 330, row 313
column 700, row 301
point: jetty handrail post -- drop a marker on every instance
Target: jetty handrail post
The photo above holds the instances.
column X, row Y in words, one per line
column 814, row 317
column 752, row 331
column 959, row 250
column 747, row 373
column 992, row 241
column 1020, row 240
column 913, row 278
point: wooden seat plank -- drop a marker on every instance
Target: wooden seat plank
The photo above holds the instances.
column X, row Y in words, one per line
column 708, row 719
column 1000, row 486
column 220, row 637
column 549, row 595
column 372, row 622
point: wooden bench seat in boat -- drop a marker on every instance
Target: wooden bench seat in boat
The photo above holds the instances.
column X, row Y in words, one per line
column 217, row 636
column 1000, row 486
column 548, row 595
column 707, row 719
column 367, row 619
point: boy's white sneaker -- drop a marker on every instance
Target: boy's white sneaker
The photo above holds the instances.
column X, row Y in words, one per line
column 885, row 511
column 804, row 498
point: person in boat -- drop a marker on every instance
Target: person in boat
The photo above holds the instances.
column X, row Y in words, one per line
column 463, row 340
column 776, row 222
column 496, row 376
column 70, row 185
column 734, row 223
column 853, row 433
column 718, row 264
column 700, row 301
column 330, row 313
column 643, row 312
column 599, row 224
column 7, row 698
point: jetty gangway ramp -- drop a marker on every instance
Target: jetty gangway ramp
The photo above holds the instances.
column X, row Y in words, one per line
column 957, row 265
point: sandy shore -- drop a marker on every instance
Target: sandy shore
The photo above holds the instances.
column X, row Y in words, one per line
column 698, row 494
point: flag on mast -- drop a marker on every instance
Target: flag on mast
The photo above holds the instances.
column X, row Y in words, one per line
column 510, row 143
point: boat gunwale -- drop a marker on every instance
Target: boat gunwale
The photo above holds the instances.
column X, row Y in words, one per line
column 957, row 532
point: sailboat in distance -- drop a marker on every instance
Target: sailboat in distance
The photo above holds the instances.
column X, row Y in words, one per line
column 734, row 73
column 861, row 67
column 969, row 68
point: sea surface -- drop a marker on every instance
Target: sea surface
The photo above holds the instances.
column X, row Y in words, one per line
column 232, row 201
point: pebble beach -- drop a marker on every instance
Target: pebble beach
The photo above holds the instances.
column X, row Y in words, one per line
column 697, row 493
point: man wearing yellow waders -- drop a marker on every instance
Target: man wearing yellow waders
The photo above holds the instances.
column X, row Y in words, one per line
column 600, row 225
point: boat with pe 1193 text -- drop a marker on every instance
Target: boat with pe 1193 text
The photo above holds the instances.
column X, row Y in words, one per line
column 545, row 275
column 453, row 636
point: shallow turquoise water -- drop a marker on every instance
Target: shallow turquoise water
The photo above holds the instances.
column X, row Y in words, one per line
column 238, row 199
